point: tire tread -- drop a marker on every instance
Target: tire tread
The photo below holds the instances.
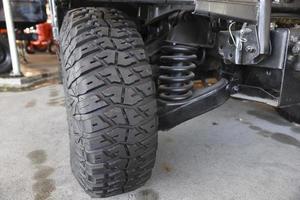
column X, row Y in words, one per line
column 110, row 100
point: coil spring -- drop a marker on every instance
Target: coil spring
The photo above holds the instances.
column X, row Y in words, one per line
column 176, row 75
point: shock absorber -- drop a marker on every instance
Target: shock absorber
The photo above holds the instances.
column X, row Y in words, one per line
column 176, row 72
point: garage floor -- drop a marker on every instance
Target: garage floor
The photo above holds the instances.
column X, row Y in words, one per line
column 239, row 151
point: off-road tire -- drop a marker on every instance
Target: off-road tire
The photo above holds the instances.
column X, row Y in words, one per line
column 291, row 113
column 110, row 100
column 5, row 58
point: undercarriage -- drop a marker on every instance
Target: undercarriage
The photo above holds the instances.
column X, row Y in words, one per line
column 199, row 53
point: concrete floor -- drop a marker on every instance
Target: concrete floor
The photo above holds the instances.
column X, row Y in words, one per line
column 239, row 151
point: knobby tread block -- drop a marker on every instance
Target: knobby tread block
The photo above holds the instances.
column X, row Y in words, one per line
column 110, row 101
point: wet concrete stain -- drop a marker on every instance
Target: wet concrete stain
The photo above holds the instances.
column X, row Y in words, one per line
column 43, row 172
column 43, row 185
column 37, row 156
column 255, row 128
column 55, row 99
column 43, row 189
column 53, row 93
column 166, row 167
column 286, row 139
column 264, row 133
column 147, row 194
column 60, row 101
column 272, row 118
column 279, row 137
column 30, row 104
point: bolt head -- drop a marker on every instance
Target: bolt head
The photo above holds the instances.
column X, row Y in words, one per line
column 250, row 49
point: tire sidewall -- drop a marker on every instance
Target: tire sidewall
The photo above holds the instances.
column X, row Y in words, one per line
column 5, row 62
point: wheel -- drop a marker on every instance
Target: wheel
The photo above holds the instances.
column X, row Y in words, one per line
column 5, row 58
column 29, row 48
column 41, row 48
column 110, row 101
column 52, row 48
column 291, row 113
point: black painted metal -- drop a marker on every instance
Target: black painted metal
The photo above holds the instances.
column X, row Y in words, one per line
column 291, row 79
column 178, row 100
column 276, row 80
column 172, row 114
column 193, row 30
column 176, row 76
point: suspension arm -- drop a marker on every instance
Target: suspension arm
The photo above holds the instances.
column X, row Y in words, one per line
column 172, row 114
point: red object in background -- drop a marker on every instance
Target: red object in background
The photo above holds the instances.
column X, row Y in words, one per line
column 45, row 39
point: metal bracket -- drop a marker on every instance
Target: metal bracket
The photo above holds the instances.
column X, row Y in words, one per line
column 239, row 47
column 257, row 35
column 275, row 80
